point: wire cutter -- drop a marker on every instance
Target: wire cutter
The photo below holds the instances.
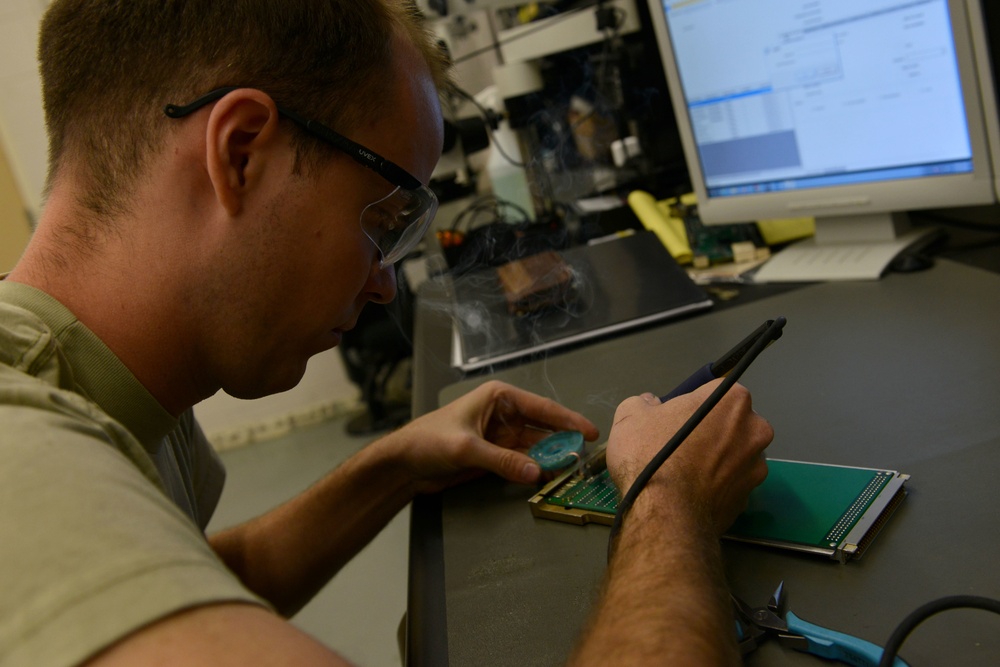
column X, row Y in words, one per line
column 756, row 625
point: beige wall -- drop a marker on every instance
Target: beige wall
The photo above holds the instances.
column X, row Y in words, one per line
column 14, row 225
column 22, row 126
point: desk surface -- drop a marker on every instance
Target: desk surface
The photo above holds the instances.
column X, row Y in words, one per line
column 903, row 373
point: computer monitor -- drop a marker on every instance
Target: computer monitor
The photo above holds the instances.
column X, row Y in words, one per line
column 851, row 111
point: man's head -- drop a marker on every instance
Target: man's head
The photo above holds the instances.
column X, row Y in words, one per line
column 224, row 242
column 109, row 68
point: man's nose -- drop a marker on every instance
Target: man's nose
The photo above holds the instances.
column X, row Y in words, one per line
column 382, row 282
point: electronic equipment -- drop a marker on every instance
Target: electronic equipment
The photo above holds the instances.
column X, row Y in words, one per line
column 852, row 111
column 827, row 510
column 616, row 285
column 575, row 99
column 462, row 7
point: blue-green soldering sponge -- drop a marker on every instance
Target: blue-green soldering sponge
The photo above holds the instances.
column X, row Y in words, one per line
column 559, row 450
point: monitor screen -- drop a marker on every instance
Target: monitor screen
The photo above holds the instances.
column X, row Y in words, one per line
column 828, row 108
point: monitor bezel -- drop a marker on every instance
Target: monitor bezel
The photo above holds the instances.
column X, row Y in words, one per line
column 967, row 189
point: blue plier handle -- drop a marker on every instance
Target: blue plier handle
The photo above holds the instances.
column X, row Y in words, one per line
column 756, row 625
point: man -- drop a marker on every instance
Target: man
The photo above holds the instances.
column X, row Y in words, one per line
column 208, row 226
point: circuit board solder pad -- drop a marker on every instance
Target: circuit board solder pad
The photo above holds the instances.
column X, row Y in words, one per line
column 583, row 494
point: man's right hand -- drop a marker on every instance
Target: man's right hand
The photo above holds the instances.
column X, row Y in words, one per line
column 715, row 469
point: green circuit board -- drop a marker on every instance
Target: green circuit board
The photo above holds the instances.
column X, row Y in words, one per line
column 802, row 506
column 597, row 493
column 817, row 518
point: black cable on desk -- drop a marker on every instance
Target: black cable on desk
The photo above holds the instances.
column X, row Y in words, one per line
column 921, row 614
column 769, row 335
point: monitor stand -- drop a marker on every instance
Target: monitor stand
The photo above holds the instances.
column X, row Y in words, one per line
column 857, row 247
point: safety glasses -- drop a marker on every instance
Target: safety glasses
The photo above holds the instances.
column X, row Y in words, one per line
column 397, row 222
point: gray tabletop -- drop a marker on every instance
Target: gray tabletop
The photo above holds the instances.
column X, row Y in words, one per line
column 901, row 374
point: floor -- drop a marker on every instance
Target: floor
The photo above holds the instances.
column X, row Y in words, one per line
column 359, row 612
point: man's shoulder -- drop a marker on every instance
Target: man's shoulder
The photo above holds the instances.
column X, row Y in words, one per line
column 92, row 547
column 36, row 411
column 26, row 342
column 92, row 550
column 33, row 401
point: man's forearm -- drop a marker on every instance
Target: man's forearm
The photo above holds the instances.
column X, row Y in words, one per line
column 665, row 600
column 290, row 553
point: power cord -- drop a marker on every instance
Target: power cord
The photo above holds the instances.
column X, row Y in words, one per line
column 924, row 612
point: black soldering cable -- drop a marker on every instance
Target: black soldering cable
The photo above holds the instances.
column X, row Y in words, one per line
column 924, row 612
column 770, row 334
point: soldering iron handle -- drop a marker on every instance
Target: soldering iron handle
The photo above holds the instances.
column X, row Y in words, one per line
column 836, row 645
column 702, row 376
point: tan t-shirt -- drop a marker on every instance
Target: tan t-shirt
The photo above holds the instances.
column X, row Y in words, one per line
column 103, row 495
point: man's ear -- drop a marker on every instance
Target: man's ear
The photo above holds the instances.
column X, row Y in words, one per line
column 241, row 129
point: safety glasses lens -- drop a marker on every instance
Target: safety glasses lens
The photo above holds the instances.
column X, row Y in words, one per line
column 397, row 222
